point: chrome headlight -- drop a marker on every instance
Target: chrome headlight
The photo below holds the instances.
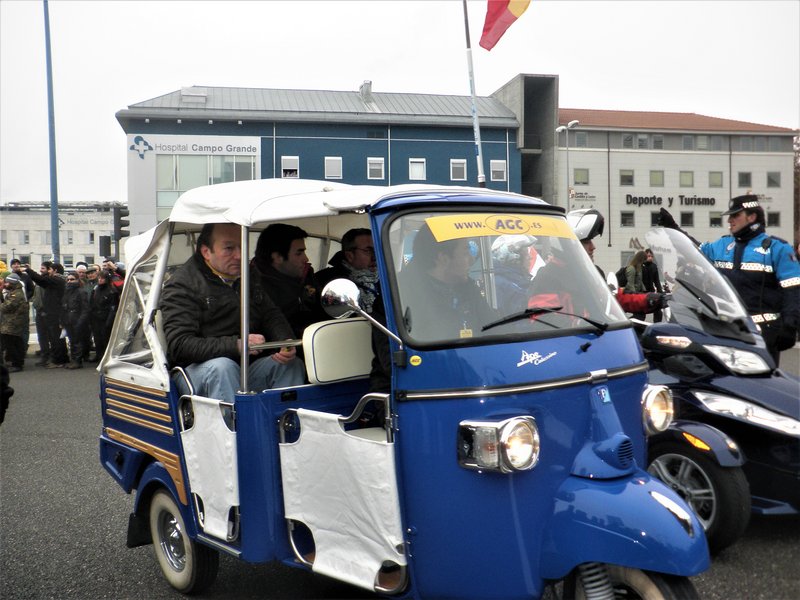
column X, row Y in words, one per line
column 657, row 408
column 739, row 361
column 749, row 412
column 504, row 446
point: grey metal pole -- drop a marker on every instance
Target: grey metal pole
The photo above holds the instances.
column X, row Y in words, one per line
column 54, row 237
column 476, row 128
column 244, row 299
column 568, row 199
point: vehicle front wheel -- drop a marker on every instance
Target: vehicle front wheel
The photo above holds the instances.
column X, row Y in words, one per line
column 719, row 496
column 633, row 584
column 189, row 567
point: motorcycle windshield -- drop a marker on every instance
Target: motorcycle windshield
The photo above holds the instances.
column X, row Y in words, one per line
column 468, row 275
column 702, row 298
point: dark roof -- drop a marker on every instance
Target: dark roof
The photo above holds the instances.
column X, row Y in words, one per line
column 320, row 105
column 639, row 120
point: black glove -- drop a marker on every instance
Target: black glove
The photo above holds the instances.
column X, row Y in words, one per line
column 656, row 300
column 666, row 220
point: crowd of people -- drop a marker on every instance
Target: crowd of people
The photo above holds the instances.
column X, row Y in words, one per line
column 73, row 311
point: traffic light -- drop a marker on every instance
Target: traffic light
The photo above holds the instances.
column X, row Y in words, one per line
column 121, row 225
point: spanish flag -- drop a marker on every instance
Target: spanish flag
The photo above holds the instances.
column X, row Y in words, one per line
column 500, row 14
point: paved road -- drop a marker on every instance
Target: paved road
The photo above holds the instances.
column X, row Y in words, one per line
column 63, row 520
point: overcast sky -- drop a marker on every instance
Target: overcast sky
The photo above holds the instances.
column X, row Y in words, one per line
column 735, row 60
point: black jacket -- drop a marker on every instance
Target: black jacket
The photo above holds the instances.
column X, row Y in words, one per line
column 53, row 292
column 74, row 308
column 298, row 300
column 650, row 278
column 103, row 302
column 201, row 316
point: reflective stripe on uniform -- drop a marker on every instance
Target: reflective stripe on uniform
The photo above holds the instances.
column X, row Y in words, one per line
column 790, row 282
column 765, row 317
column 751, row 266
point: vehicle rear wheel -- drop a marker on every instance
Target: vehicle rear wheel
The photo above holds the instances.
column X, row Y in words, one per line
column 719, row 496
column 632, row 584
column 189, row 567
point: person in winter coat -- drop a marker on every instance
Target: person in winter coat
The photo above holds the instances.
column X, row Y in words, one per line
column 282, row 272
column 75, row 318
column 14, row 322
column 52, row 283
column 356, row 262
column 652, row 281
column 201, row 312
column 103, row 303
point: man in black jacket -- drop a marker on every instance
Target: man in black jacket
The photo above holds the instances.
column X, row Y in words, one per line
column 283, row 274
column 201, row 311
column 75, row 318
column 52, row 283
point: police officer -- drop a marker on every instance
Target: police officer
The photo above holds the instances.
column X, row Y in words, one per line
column 763, row 269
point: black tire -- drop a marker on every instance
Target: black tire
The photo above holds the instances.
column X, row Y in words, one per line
column 632, row 584
column 719, row 496
column 189, row 567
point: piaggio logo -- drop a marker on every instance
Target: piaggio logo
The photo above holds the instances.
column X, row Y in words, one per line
column 140, row 145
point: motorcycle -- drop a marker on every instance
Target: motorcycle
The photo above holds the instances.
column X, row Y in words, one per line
column 734, row 445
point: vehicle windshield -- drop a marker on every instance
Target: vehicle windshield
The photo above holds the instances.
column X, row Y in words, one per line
column 701, row 296
column 466, row 276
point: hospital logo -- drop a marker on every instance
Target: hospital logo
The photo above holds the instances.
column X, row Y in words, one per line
column 140, row 145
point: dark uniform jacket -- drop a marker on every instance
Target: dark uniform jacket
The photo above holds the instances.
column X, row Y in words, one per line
column 201, row 316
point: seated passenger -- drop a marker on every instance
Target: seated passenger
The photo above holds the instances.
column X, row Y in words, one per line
column 511, row 263
column 201, row 314
column 441, row 300
column 282, row 274
column 356, row 262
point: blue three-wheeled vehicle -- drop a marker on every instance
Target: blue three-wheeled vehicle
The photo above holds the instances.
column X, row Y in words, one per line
column 506, row 458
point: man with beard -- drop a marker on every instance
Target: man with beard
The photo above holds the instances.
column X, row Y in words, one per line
column 103, row 302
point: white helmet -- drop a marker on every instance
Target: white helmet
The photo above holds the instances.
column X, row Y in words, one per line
column 587, row 223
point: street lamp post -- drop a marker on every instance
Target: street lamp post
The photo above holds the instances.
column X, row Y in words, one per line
column 565, row 129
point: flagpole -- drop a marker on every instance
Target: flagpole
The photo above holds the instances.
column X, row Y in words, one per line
column 475, row 124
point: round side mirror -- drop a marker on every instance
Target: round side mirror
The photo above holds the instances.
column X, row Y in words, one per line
column 340, row 298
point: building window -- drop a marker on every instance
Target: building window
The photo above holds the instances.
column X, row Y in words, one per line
column 774, row 144
column 3, row 237
column 333, row 167
column 687, row 179
column 655, row 217
column 232, row 168
column 25, row 236
column 688, row 142
column 290, row 167
column 497, row 170
column 716, row 143
column 89, row 258
column 773, row 179
column 68, row 236
column 416, row 169
column 626, row 219
column 715, row 219
column 91, row 237
column 658, row 141
column 581, row 139
column 656, row 178
column 746, row 144
column 581, row 177
column 773, row 219
column 458, row 169
column 702, row 142
column 626, row 177
column 67, row 260
column 715, row 179
column 375, row 168
column 627, row 140
column 642, row 141
column 687, row 219
column 760, row 143
column 745, row 179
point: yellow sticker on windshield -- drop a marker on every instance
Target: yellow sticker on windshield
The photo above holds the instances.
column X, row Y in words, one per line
column 457, row 226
